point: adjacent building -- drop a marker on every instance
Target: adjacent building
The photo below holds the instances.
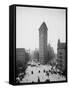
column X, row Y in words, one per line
column 61, row 55
column 20, row 55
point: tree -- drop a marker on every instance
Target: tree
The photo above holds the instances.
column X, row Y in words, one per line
column 27, row 58
column 51, row 54
column 36, row 54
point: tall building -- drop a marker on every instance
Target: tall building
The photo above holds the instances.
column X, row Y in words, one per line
column 43, row 43
column 61, row 55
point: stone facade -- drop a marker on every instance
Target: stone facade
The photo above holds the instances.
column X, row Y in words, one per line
column 61, row 55
column 43, row 43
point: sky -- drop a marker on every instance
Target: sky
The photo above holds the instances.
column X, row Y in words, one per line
column 29, row 20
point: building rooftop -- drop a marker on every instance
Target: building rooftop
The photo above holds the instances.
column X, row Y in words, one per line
column 43, row 26
column 61, row 45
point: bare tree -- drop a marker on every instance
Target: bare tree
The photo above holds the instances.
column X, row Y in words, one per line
column 51, row 54
column 36, row 55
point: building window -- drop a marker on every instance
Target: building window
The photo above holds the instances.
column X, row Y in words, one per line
column 60, row 53
column 60, row 57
